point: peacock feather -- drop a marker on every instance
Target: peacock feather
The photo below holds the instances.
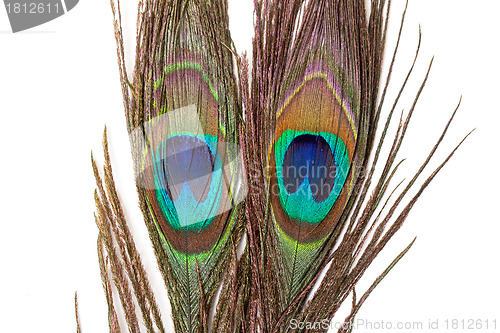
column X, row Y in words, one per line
column 311, row 158
column 183, row 146
column 312, row 109
column 182, row 109
column 283, row 151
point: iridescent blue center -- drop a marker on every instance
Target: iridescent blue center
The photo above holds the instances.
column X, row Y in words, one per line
column 188, row 179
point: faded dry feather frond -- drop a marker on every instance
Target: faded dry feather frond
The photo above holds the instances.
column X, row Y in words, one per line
column 119, row 258
column 77, row 317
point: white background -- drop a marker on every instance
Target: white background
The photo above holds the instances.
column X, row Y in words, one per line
column 59, row 86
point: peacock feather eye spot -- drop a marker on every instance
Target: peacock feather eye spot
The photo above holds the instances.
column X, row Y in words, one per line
column 191, row 175
column 311, row 171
